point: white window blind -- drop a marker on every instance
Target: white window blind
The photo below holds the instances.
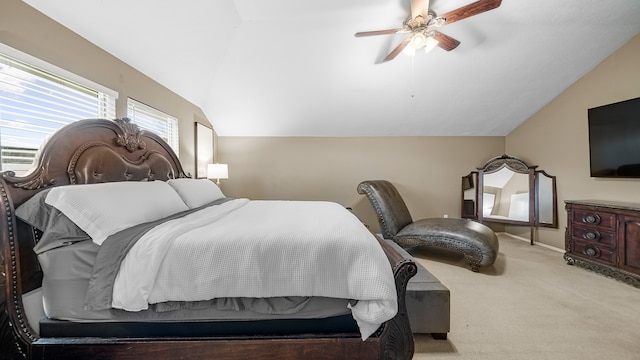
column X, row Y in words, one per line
column 156, row 121
column 35, row 102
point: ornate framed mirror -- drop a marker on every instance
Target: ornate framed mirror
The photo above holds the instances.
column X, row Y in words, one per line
column 507, row 196
column 509, row 191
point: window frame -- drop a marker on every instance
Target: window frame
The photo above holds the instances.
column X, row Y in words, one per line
column 171, row 132
column 105, row 108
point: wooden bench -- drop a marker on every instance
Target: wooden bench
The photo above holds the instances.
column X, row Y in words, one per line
column 427, row 300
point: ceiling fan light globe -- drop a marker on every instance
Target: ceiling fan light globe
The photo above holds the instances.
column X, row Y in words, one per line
column 418, row 40
column 409, row 50
column 430, row 44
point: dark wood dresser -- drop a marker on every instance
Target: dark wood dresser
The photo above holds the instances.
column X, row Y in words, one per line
column 604, row 236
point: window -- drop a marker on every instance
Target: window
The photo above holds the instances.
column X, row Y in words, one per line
column 36, row 99
column 154, row 120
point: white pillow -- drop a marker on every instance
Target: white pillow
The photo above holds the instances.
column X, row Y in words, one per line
column 104, row 209
column 196, row 192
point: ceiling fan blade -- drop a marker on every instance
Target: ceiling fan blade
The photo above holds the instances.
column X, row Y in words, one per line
column 377, row 32
column 470, row 10
column 446, row 42
column 398, row 49
column 419, row 7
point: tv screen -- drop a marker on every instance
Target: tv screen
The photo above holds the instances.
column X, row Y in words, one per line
column 614, row 139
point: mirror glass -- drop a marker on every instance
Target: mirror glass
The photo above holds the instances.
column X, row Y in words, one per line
column 469, row 195
column 546, row 197
column 505, row 195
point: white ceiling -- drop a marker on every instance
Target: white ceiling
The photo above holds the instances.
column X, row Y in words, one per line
column 294, row 68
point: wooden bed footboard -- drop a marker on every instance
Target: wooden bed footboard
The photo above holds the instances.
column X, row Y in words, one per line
column 127, row 153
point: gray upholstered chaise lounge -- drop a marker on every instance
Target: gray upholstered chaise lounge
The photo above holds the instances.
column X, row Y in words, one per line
column 476, row 241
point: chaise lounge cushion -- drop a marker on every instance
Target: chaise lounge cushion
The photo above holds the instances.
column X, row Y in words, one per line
column 474, row 240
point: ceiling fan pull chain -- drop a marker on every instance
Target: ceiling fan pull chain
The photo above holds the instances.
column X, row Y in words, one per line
column 413, row 78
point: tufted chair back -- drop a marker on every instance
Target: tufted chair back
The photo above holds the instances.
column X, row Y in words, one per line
column 390, row 209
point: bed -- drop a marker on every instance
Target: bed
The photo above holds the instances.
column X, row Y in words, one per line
column 233, row 306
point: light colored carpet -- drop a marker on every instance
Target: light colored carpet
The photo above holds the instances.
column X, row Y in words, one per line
column 531, row 305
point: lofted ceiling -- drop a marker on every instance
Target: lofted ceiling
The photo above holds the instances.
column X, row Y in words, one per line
column 294, row 67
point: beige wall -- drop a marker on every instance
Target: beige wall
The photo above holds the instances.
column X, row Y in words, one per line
column 426, row 170
column 26, row 29
column 556, row 138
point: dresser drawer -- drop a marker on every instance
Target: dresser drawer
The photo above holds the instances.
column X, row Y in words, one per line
column 593, row 251
column 591, row 234
column 594, row 218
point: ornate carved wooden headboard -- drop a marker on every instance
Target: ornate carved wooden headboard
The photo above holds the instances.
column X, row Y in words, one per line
column 86, row 151
column 96, row 150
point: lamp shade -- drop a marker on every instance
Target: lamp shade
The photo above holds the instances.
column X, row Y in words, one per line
column 217, row 171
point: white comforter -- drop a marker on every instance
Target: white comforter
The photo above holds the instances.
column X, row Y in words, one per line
column 248, row 248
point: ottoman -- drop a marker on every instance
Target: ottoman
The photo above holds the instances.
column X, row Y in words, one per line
column 427, row 301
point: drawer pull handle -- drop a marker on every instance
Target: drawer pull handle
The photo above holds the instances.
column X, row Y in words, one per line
column 590, row 251
column 591, row 235
column 591, row 219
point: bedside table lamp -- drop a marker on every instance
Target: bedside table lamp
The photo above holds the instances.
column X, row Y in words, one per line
column 217, row 171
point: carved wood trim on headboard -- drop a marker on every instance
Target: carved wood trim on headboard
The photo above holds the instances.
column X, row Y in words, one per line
column 130, row 137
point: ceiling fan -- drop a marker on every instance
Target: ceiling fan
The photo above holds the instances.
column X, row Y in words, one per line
column 422, row 24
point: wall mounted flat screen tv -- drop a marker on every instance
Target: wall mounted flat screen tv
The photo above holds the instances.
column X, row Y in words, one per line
column 614, row 139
